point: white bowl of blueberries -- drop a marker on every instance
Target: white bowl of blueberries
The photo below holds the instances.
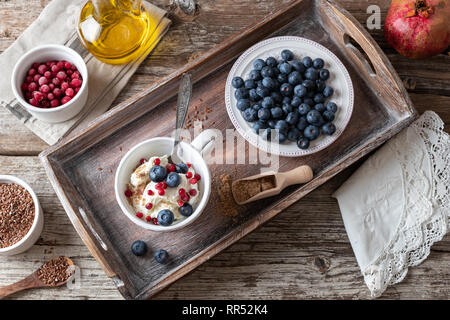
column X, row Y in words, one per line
column 289, row 96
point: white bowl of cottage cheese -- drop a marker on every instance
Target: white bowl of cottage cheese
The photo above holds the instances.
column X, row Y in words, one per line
column 159, row 195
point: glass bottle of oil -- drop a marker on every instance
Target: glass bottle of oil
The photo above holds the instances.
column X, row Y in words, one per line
column 115, row 31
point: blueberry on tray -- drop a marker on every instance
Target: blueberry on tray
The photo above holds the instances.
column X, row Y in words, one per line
column 139, row 248
column 289, row 95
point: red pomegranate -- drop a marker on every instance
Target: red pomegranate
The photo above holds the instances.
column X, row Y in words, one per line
column 418, row 29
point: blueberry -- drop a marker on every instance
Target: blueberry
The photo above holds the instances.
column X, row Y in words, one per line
column 264, row 114
column 256, row 106
column 250, row 115
column 157, row 173
column 276, row 72
column 311, row 132
column 303, row 143
column 241, row 93
column 186, row 210
column 271, row 61
column 259, row 83
column 298, row 66
column 267, row 102
column 287, row 107
column 173, row 180
column 292, row 118
column 319, row 98
column 282, row 78
column 271, row 123
column 308, row 84
column 328, row 116
column 269, row 83
column 277, row 112
column 320, row 85
column 250, row 84
column 276, row 96
column 258, row 64
column 259, row 125
column 295, row 78
column 161, row 256
column 313, row 117
column 139, row 248
column 165, row 217
column 311, row 74
column 281, row 137
column 318, row 63
column 328, row 128
column 328, row 91
column 300, row 90
column 255, row 75
column 285, row 68
column 331, row 106
column 286, row 100
column 237, row 82
column 262, row 91
column 309, row 102
column 307, row 62
column 302, row 124
column 324, row 74
column 253, row 95
column 282, row 126
column 303, row 109
column 267, row 134
column 280, row 62
column 320, row 107
column 296, row 101
column 267, row 72
column 293, row 134
column 310, row 94
column 243, row 104
column 286, row 89
column 181, row 168
column 287, row 55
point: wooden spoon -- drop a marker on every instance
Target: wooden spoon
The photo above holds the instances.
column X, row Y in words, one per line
column 279, row 181
column 32, row 281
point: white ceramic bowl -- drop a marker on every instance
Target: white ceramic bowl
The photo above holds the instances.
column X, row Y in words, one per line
column 339, row 79
column 160, row 146
column 36, row 228
column 49, row 53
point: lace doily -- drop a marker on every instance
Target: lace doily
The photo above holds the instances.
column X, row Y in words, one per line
column 422, row 151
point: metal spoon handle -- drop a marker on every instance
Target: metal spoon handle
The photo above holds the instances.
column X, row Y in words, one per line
column 184, row 97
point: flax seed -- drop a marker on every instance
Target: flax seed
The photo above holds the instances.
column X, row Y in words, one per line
column 16, row 214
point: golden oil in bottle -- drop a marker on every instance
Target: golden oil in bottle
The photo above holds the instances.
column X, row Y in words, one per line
column 115, row 31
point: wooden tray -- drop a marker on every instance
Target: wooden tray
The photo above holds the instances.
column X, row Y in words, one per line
column 82, row 168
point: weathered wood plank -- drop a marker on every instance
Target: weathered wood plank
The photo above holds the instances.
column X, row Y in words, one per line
column 187, row 39
column 303, row 253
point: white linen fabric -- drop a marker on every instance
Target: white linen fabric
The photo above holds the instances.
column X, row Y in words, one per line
column 397, row 204
column 57, row 25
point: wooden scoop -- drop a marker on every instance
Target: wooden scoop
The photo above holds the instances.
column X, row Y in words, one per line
column 32, row 281
column 268, row 184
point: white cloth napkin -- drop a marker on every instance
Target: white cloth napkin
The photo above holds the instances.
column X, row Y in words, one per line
column 57, row 25
column 397, row 204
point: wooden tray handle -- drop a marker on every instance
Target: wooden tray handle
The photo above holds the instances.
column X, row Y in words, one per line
column 381, row 74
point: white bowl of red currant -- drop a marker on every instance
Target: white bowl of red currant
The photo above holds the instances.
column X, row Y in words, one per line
column 289, row 96
column 51, row 83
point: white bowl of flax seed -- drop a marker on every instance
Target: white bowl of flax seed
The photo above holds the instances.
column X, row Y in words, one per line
column 21, row 218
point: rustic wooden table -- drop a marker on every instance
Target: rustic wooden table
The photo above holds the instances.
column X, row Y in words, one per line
column 303, row 253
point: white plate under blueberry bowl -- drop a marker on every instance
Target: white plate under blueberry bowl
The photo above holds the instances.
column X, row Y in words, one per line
column 301, row 47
